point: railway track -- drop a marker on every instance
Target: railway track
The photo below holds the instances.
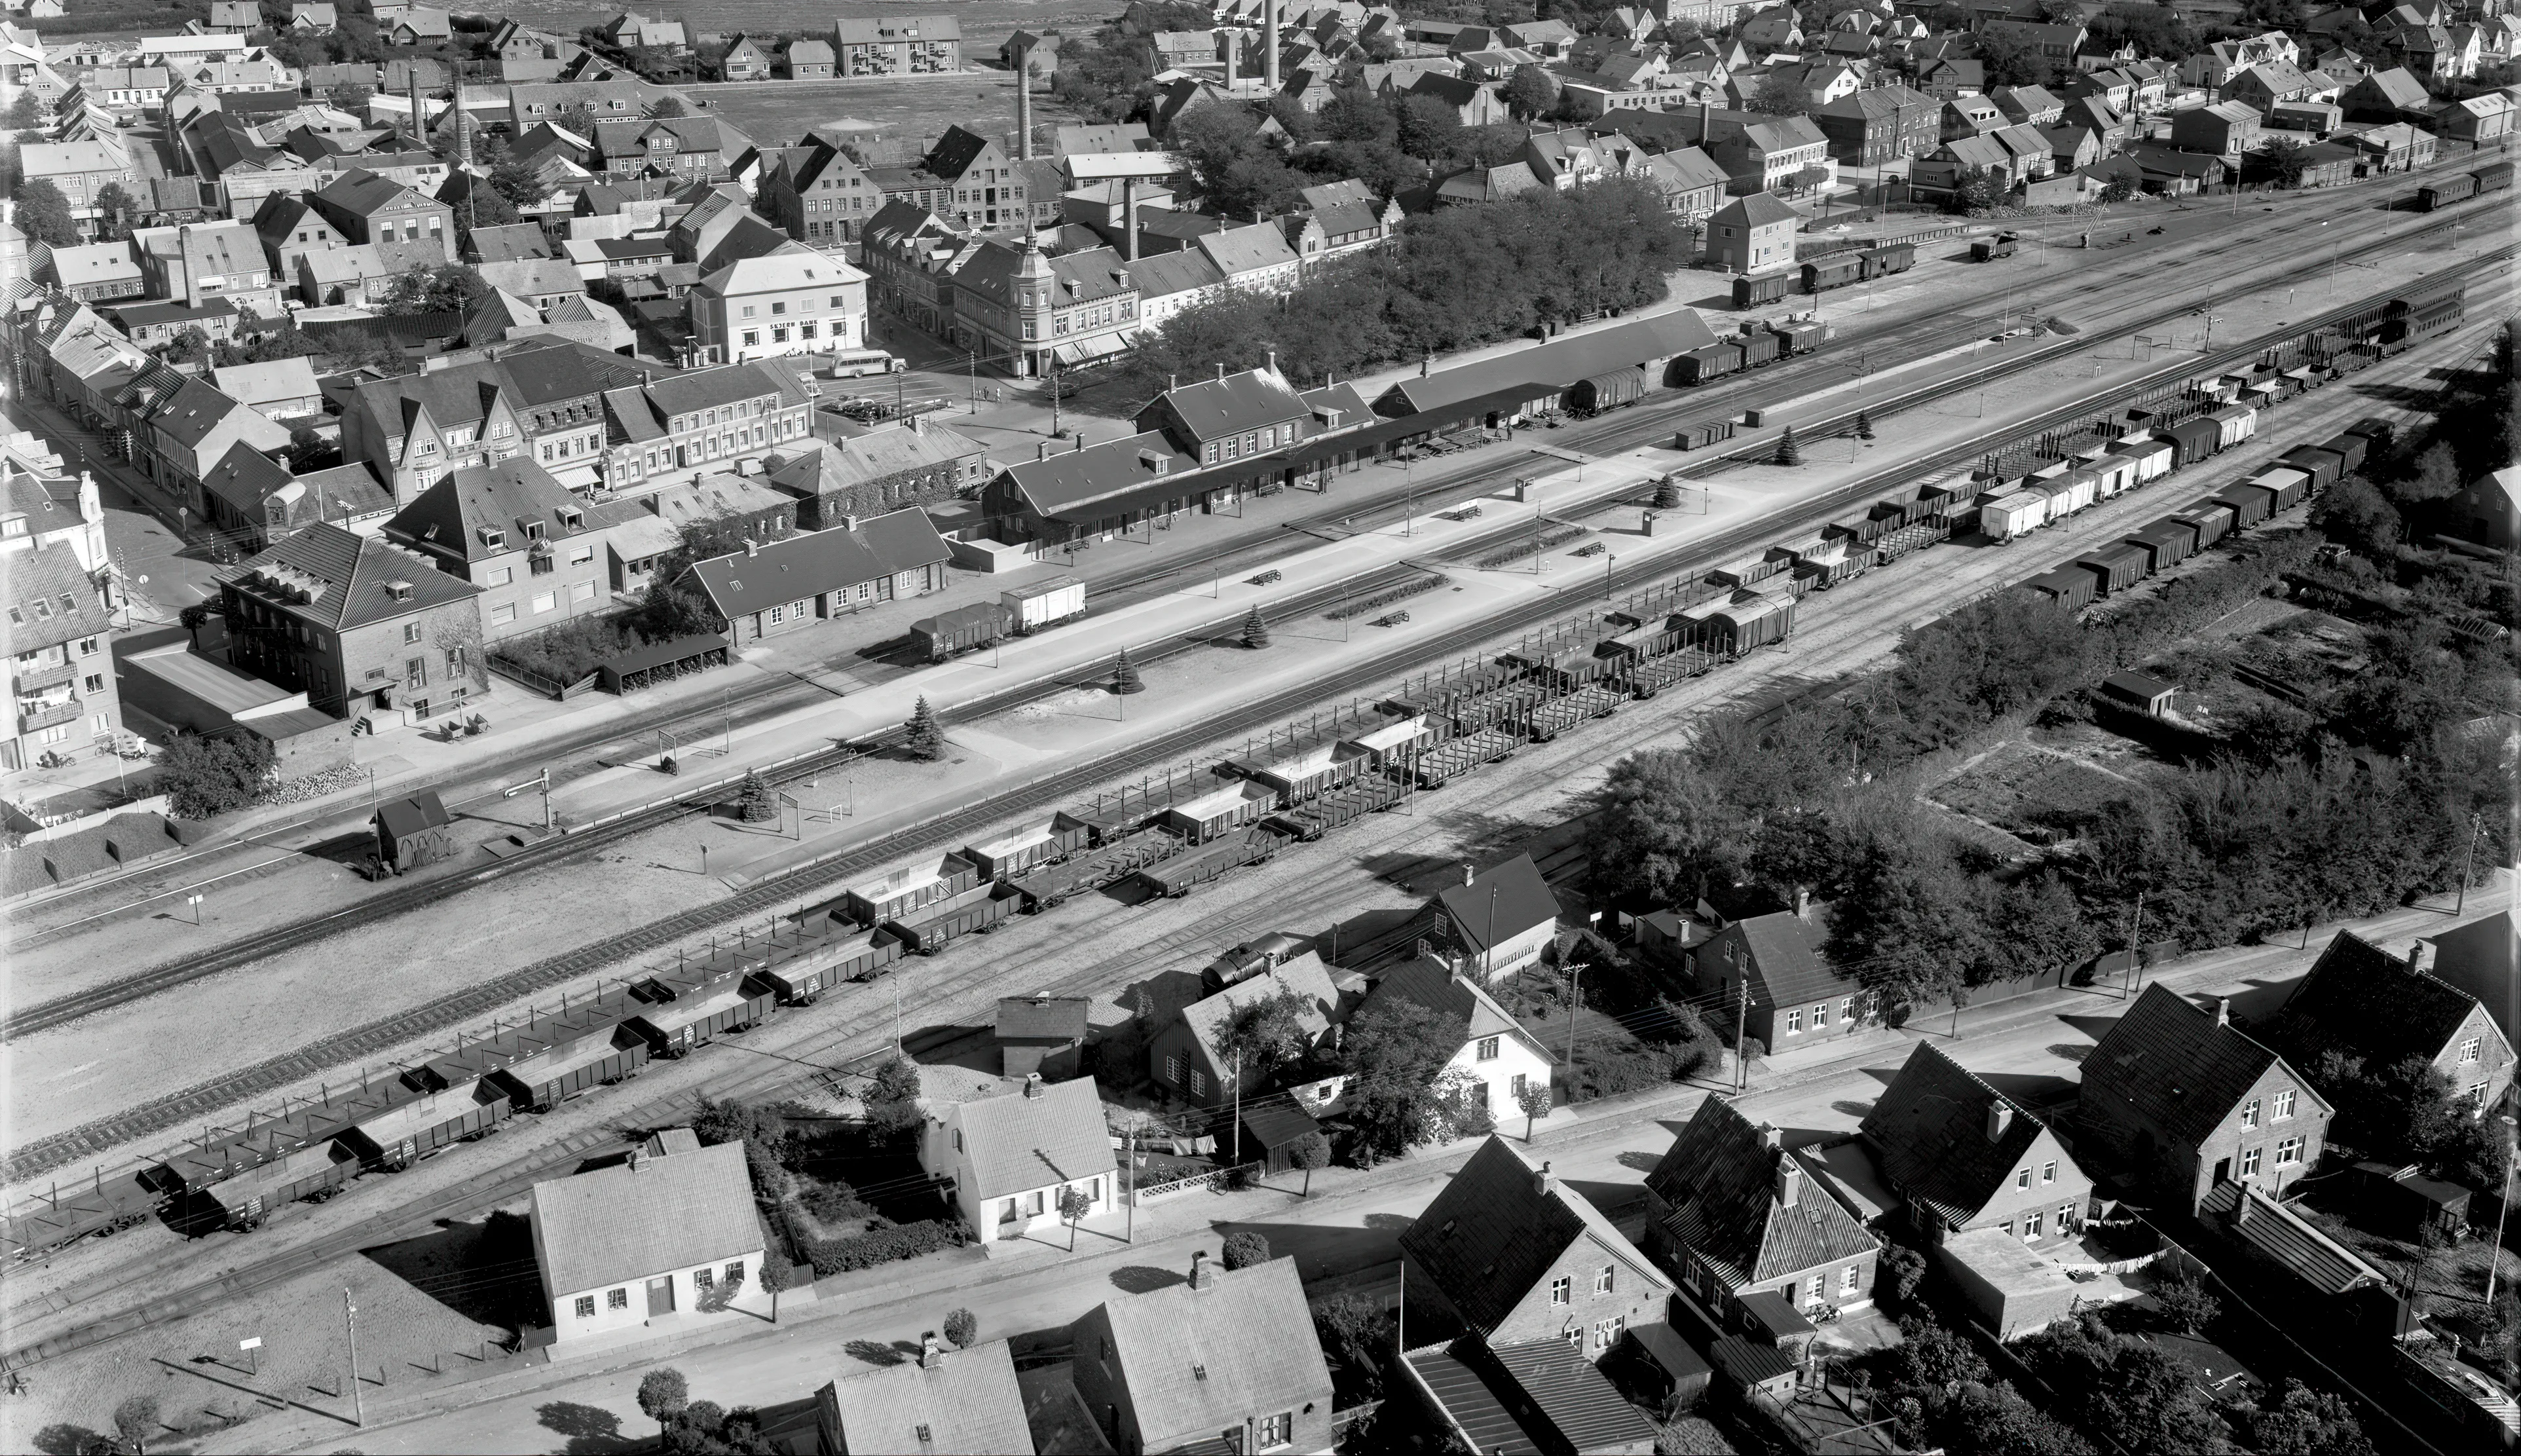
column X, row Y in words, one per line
column 975, row 975
column 765, row 896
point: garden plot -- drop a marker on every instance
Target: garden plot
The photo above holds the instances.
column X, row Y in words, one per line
column 2032, row 791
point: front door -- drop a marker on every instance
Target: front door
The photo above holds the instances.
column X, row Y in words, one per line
column 660, row 1296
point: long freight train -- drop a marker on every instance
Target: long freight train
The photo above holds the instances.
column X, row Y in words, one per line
column 1174, row 839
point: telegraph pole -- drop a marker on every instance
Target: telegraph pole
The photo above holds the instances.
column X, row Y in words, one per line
column 350, row 1325
column 2467, row 863
column 1741, row 1026
column 1574, row 1001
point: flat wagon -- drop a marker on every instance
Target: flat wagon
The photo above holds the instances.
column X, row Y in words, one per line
column 96, row 1210
column 1456, row 756
column 1184, row 873
column 1345, row 805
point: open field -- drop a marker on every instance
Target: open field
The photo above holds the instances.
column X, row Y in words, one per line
column 778, row 112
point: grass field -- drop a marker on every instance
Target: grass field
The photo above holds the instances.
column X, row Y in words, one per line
column 2027, row 792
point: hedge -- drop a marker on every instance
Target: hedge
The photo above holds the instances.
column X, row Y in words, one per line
column 902, row 1241
column 1380, row 600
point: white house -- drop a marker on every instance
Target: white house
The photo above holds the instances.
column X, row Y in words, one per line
column 1497, row 1058
column 1502, row 919
column 799, row 302
column 1009, row 1158
column 666, row 1233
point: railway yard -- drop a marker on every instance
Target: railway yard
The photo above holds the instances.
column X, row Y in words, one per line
column 1574, row 619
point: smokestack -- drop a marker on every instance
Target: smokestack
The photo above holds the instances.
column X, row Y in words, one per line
column 463, row 138
column 1233, row 61
column 1023, row 100
column 1269, row 43
column 1130, row 219
column 418, row 115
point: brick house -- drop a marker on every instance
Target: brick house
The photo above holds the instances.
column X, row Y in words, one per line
column 189, row 433
column 1753, row 234
column 620, row 1247
column 942, row 1400
column 1730, row 1213
column 543, row 400
column 1494, row 1058
column 406, row 229
column 896, row 45
column 816, row 192
column 1963, row 1156
column 96, row 272
column 698, row 421
column 2360, row 1002
column 2184, row 1099
column 807, row 61
column 62, row 676
column 1872, row 127
column 356, row 623
column 744, row 60
column 1522, row 1257
column 1229, row 1361
column 2226, row 128
column 765, row 590
column 533, row 548
column 910, row 464
column 1183, row 1056
column 1772, row 965
column 683, row 149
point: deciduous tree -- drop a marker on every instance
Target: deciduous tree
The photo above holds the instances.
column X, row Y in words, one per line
column 1245, row 1247
column 43, row 214
column 664, row 1394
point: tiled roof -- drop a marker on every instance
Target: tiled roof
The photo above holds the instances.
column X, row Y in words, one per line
column 347, row 578
column 363, row 193
column 812, row 563
column 1501, row 902
column 243, row 477
column 533, row 277
column 1021, row 1141
column 1928, row 1132
column 1785, row 955
column 1200, row 1360
column 1484, row 1412
column 621, row 1225
column 1431, row 983
column 1305, row 974
column 454, row 513
column 967, row 1403
column 2181, row 1067
column 97, row 262
column 1159, row 274
column 1497, row 1226
column 2363, row 1001
column 1721, row 1180
column 50, row 601
column 1215, row 408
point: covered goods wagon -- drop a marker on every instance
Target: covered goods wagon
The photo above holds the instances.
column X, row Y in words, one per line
column 2070, row 587
column 1833, row 272
column 2016, row 513
column 1753, row 289
column 1598, row 392
column 2321, row 463
column 1044, row 604
column 2118, row 567
column 2195, row 439
column 2166, row 544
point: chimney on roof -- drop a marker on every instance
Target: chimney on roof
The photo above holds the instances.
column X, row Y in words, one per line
column 1469, row 876
column 1802, row 902
column 1033, row 1086
column 1790, row 1180
column 752, row 547
column 1770, row 1138
column 2222, row 1011
column 2000, row 1119
column 1220, row 371
column 1042, row 451
column 2420, row 956
column 1426, row 362
column 2241, row 1205
column 1080, row 442
column 1542, row 1179
column 1203, row 1274
column 930, row 1352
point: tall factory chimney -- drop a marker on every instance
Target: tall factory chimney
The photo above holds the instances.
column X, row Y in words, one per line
column 1023, row 98
column 1269, row 42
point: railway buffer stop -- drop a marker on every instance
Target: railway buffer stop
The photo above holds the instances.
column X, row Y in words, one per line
column 414, row 832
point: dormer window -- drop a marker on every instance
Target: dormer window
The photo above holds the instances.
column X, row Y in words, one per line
column 493, row 537
column 401, row 591
column 572, row 519
column 534, row 531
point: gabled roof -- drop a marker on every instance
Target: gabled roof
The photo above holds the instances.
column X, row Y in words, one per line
column 2361, row 1001
column 620, row 1225
column 2398, row 86
column 347, row 580
column 1304, row 974
column 1720, row 1181
column 511, row 242
column 1500, row 904
column 1495, row 1229
column 1159, row 274
column 363, row 193
column 967, row 1401
column 1928, row 1132
column 1201, row 1360
column 1215, row 408
column 812, row 563
column 1756, row 210
column 245, row 478
column 1059, row 1018
column 95, row 262
column 457, row 513
column 2180, row 1067
column 1051, row 1132
column 1430, row 983
column 533, row 277
column 50, row 601
column 2275, row 1233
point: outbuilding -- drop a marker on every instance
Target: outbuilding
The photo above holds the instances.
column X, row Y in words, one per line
column 2151, row 695
column 413, row 831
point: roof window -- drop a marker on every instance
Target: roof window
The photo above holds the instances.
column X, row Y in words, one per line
column 401, row 591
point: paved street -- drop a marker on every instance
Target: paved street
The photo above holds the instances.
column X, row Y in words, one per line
column 1342, row 1238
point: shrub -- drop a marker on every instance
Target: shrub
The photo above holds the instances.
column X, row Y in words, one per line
column 1245, row 1247
column 206, row 777
column 902, row 1241
column 565, row 654
column 1788, row 453
column 1380, row 600
column 962, row 1327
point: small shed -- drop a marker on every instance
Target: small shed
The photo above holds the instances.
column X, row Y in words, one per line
column 413, row 831
column 1273, row 1129
column 1040, row 1035
column 2150, row 694
column 2013, row 1289
column 1747, row 1366
column 1681, row 1374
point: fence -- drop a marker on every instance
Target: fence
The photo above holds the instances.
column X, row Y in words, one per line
column 1210, row 1179
column 549, row 687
